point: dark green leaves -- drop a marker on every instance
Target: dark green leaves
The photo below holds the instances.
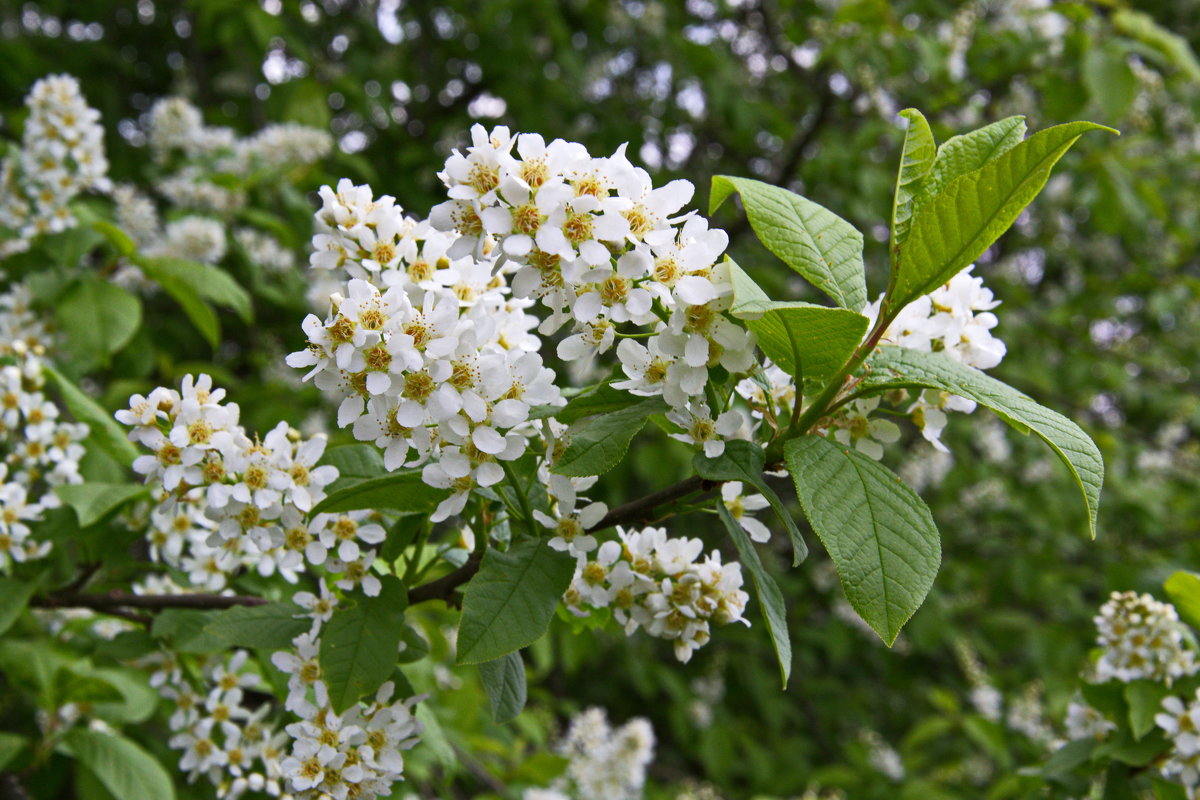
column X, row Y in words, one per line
column 810, row 239
column 878, row 532
column 893, row 367
column 915, row 161
column 598, row 443
column 1184, row 590
column 744, row 461
column 104, row 430
column 400, row 491
column 504, row 680
column 93, row 502
column 808, row 342
column 774, row 610
column 956, row 226
column 270, row 626
column 509, row 603
column 98, row 318
column 194, row 285
column 359, row 643
column 14, row 596
column 124, row 768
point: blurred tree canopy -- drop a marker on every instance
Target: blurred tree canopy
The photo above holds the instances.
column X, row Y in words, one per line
column 1100, row 284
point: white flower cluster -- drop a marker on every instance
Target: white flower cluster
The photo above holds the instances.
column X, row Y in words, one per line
column 955, row 319
column 176, row 126
column 23, row 332
column 1180, row 722
column 40, row 451
column 604, row 763
column 223, row 739
column 601, row 247
column 1141, row 638
column 61, row 155
column 1085, row 722
column 357, row 753
column 230, row 502
column 656, row 583
column 431, row 358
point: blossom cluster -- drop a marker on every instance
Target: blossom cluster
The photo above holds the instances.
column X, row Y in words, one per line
column 223, row 738
column 199, row 161
column 430, row 357
column 229, row 502
column 1180, row 721
column 600, row 247
column 357, row 753
column 1141, row 638
column 604, row 763
column 61, row 155
column 657, row 583
column 40, row 451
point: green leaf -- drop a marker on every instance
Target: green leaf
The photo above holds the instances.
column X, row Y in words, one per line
column 1184, row 590
column 744, row 461
column 916, row 159
column 118, row 238
column 968, row 152
column 1134, row 752
column 893, row 367
column 197, row 310
column 509, row 602
column 184, row 630
column 774, row 610
column 504, row 680
column 1142, row 27
column 1109, row 79
column 98, row 318
column 1144, row 698
column 1069, row 756
column 127, row 645
column 599, row 399
column 401, row 491
column 209, row 283
column 93, row 502
column 103, row 429
column 810, row 239
column 878, row 532
column 14, row 597
column 11, row 744
column 354, row 462
column 360, row 641
column 270, row 626
column 123, row 767
column 598, row 444
column 957, row 225
column 810, row 343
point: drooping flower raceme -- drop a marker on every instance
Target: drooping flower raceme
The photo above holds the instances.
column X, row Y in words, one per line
column 61, row 155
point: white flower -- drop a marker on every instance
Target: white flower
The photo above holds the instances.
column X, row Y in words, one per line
column 738, row 504
column 856, row 428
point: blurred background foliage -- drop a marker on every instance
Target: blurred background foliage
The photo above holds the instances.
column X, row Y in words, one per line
column 1099, row 281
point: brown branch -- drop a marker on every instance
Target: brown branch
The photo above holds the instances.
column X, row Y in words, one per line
column 640, row 510
column 444, row 587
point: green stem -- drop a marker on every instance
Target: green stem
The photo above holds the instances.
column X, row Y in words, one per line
column 522, row 500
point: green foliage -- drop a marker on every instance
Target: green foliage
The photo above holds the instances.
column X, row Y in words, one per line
column 815, row 242
column 510, row 602
column 597, row 444
column 878, row 532
column 504, row 680
column 270, row 626
column 359, row 644
column 956, row 225
column 895, row 367
column 774, row 608
column 809, row 342
column 98, row 318
column 124, row 768
column 398, row 491
column 93, row 502
column 1183, row 588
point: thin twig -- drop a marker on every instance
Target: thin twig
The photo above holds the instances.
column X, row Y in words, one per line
column 640, row 510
